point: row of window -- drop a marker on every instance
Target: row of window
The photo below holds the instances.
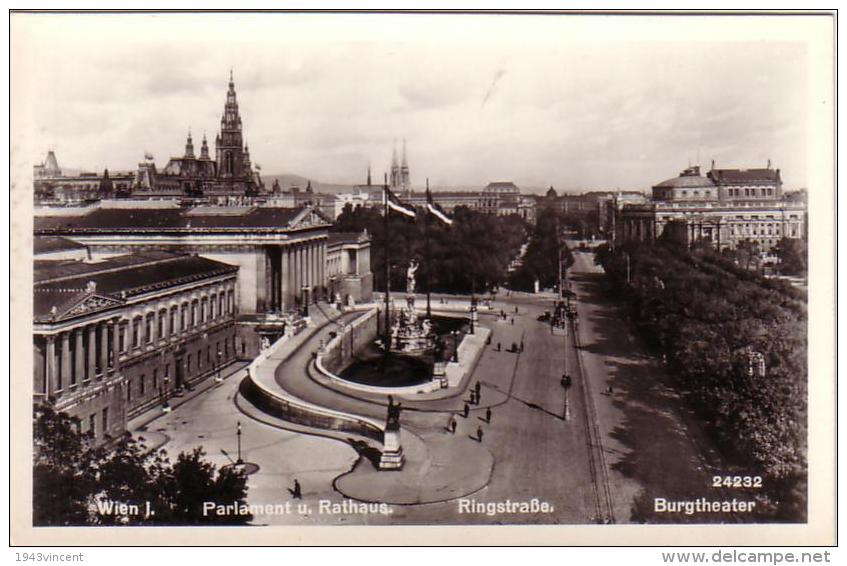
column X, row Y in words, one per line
column 751, row 192
column 180, row 318
column 212, row 358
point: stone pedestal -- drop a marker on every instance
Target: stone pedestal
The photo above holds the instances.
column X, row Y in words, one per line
column 392, row 452
column 439, row 374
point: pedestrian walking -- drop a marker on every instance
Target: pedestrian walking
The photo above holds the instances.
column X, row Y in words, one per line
column 477, row 387
column 513, row 321
column 452, row 425
column 498, row 346
column 488, row 415
column 479, row 433
column 466, row 411
column 516, row 309
column 296, row 493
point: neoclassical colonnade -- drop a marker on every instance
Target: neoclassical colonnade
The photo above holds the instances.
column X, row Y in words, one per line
column 77, row 355
column 295, row 274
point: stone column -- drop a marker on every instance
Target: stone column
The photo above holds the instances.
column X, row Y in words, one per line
column 91, row 363
column 281, row 274
column 104, row 346
column 65, row 377
column 307, row 265
column 50, row 365
column 116, row 352
column 266, row 299
column 322, row 265
column 314, row 282
column 79, row 365
column 298, row 270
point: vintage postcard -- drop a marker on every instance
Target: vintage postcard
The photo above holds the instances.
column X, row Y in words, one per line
column 536, row 278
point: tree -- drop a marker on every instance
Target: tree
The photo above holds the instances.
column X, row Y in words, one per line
column 705, row 314
column 541, row 261
column 472, row 254
column 75, row 482
column 793, row 256
column 748, row 252
column 64, row 468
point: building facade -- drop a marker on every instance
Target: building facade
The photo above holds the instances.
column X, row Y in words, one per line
column 724, row 207
column 114, row 338
column 348, row 267
column 51, row 186
column 281, row 252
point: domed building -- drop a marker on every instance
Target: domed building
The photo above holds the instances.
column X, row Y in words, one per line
column 689, row 185
column 724, row 207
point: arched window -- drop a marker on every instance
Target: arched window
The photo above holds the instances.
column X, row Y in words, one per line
column 228, row 165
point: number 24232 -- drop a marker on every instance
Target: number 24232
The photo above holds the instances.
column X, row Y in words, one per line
column 736, row 481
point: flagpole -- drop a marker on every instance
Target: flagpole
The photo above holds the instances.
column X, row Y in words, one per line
column 387, row 338
column 426, row 250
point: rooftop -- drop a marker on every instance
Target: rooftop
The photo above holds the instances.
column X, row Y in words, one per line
column 50, row 244
column 731, row 176
column 62, row 287
column 347, row 238
column 170, row 220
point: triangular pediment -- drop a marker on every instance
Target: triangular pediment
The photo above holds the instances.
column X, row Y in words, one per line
column 89, row 303
column 308, row 218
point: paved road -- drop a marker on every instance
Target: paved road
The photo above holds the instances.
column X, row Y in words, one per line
column 653, row 445
column 646, row 445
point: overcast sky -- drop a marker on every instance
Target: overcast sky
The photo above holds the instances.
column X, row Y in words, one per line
column 574, row 102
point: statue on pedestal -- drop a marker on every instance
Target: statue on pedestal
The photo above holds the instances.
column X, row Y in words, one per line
column 392, row 421
column 410, row 277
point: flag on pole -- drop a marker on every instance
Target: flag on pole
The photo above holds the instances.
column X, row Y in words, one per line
column 436, row 210
column 396, row 205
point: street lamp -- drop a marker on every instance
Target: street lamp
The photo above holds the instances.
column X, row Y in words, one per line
column 239, row 461
column 218, row 377
column 162, row 393
column 566, row 383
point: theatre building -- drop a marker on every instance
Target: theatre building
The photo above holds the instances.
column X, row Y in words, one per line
column 116, row 337
column 723, row 208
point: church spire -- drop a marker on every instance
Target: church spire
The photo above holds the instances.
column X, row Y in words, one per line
column 189, row 146
column 204, row 148
column 404, row 173
column 369, row 174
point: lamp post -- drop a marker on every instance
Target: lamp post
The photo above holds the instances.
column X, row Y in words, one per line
column 218, row 378
column 239, row 461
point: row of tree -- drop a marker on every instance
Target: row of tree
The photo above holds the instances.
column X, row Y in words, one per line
column 472, row 254
column 736, row 346
column 76, row 483
column 541, row 261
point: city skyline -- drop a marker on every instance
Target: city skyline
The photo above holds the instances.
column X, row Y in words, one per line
column 324, row 100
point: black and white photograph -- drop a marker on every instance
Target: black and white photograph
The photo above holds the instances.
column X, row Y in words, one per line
column 381, row 269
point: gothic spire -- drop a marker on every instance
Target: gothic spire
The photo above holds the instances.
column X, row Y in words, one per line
column 405, row 164
column 189, row 146
column 204, row 148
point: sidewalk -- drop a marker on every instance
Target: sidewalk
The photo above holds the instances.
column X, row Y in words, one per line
column 139, row 425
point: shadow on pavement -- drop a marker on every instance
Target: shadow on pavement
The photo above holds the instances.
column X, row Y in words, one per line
column 365, row 450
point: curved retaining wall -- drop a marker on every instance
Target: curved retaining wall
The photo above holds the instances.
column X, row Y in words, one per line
column 292, row 410
column 261, row 389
